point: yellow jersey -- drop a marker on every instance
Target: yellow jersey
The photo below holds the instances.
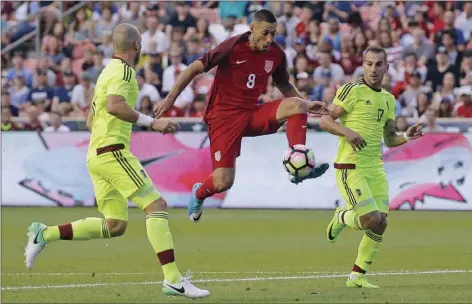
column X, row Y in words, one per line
column 117, row 78
column 366, row 112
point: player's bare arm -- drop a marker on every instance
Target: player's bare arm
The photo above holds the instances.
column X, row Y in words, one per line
column 329, row 124
column 117, row 106
column 181, row 83
column 394, row 139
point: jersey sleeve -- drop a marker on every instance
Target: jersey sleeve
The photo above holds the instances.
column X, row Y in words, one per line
column 281, row 76
column 346, row 97
column 219, row 54
column 118, row 86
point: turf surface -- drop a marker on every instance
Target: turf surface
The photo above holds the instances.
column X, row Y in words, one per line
column 243, row 256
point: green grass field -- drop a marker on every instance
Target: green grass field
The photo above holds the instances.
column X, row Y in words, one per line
column 243, row 256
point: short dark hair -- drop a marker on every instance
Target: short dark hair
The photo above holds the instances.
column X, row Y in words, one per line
column 376, row 49
column 265, row 15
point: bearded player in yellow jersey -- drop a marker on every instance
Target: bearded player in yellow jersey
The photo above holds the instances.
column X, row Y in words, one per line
column 367, row 114
column 117, row 175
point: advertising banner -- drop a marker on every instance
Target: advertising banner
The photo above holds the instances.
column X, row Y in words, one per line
column 49, row 169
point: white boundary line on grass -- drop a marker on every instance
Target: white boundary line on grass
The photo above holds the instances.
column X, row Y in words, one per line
column 154, row 273
column 321, row 276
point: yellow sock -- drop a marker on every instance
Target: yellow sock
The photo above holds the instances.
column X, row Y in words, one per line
column 368, row 249
column 350, row 218
column 160, row 238
column 84, row 229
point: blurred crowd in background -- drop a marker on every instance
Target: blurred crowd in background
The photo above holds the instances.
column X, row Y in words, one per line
column 428, row 43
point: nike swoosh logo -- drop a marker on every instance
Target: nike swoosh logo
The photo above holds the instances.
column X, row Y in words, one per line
column 357, row 285
column 239, row 62
column 330, row 236
column 35, row 241
column 146, row 162
column 198, row 217
column 179, row 290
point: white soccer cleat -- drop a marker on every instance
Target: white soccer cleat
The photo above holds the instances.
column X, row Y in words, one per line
column 184, row 288
column 36, row 243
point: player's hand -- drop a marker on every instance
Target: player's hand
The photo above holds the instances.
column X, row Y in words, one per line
column 161, row 107
column 317, row 108
column 356, row 141
column 415, row 131
column 165, row 126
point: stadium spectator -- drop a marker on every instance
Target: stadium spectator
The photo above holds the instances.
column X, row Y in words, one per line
column 333, row 35
column 145, row 105
column 231, row 8
column 421, row 47
column 183, row 18
column 7, row 124
column 446, row 91
column 41, row 95
column 465, row 106
column 431, row 121
column 82, row 94
column 55, row 119
column 81, row 33
column 407, row 102
column 66, row 65
column 45, row 64
column 449, row 25
column 466, row 67
column 154, row 40
column 34, row 119
column 203, row 32
column 464, row 21
column 18, row 94
column 98, row 66
column 290, row 52
column 19, row 68
column 423, row 102
column 104, row 25
column 448, row 39
column 289, row 20
column 440, row 68
column 327, row 66
column 198, row 107
column 63, row 94
column 6, row 102
column 445, row 109
column 146, row 89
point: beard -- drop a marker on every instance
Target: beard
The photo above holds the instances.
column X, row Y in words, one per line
column 136, row 59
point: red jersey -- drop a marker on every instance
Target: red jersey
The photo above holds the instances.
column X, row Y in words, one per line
column 242, row 75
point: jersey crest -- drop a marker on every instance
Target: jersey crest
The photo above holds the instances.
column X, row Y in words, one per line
column 269, row 64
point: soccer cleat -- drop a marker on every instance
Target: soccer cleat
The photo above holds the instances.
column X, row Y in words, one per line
column 184, row 288
column 195, row 206
column 359, row 282
column 335, row 227
column 36, row 243
column 315, row 173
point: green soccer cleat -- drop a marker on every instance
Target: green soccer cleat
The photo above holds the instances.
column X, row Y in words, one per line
column 359, row 282
column 335, row 227
column 36, row 243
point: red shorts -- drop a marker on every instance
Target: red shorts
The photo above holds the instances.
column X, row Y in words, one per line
column 226, row 134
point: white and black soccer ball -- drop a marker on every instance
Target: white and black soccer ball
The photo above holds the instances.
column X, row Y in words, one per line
column 299, row 160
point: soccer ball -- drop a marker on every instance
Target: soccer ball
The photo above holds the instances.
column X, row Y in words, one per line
column 299, row 160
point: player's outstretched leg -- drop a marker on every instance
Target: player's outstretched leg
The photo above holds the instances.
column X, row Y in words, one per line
column 85, row 229
column 159, row 236
column 294, row 110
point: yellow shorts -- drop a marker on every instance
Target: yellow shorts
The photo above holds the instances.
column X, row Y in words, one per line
column 117, row 177
column 364, row 190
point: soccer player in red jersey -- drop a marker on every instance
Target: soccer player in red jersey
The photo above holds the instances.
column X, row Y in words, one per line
column 245, row 63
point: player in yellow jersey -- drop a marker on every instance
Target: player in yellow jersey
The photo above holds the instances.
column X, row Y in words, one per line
column 117, row 175
column 367, row 114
